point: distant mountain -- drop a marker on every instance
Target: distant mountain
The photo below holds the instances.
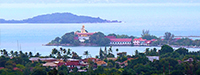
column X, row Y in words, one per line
column 60, row 18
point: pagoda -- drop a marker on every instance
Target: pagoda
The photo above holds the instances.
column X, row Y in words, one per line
column 83, row 35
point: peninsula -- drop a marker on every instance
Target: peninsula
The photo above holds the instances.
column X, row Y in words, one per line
column 61, row 18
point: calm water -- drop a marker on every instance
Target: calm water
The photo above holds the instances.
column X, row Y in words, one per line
column 31, row 36
column 181, row 20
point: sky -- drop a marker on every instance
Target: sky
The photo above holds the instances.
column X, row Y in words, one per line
column 99, row 1
column 106, row 9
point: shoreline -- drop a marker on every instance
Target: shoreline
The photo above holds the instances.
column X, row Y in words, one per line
column 90, row 45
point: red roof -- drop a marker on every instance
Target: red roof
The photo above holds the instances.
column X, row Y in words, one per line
column 84, row 33
column 148, row 42
column 121, row 40
column 139, row 39
column 153, row 39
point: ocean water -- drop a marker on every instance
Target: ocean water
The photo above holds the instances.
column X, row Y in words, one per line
column 179, row 19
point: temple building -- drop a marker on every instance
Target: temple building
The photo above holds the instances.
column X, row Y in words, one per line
column 83, row 35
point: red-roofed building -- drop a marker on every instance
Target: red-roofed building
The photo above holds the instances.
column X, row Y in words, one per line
column 120, row 41
column 73, row 64
column 139, row 41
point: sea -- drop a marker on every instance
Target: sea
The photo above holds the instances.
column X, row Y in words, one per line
column 179, row 19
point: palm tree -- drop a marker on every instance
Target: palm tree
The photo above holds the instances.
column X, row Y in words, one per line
column 12, row 53
column 1, row 51
column 86, row 53
column 30, row 54
column 54, row 51
column 37, row 55
column 136, row 52
column 110, row 50
column 5, row 53
column 64, row 51
column 26, row 54
column 16, row 54
column 61, row 49
column 69, row 52
column 117, row 50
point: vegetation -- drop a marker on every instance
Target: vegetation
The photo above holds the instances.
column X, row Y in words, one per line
column 98, row 39
column 171, row 61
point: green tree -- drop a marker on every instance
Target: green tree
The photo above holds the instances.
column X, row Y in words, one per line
column 99, row 39
column 182, row 51
column 168, row 36
column 68, row 38
column 75, row 69
column 10, row 64
column 86, row 53
column 53, row 72
column 166, row 49
column 39, row 71
column 101, row 54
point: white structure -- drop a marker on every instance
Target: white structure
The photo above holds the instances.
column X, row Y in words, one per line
column 151, row 58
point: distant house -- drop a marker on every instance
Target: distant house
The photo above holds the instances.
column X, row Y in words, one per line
column 139, row 42
column 189, row 60
column 142, row 42
column 126, row 62
column 121, row 54
column 120, row 41
column 114, row 59
column 72, row 63
column 86, row 60
column 33, row 59
column 101, row 63
column 151, row 58
column 51, row 64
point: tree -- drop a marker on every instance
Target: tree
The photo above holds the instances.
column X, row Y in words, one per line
column 53, row 72
column 113, row 34
column 182, row 51
column 75, row 55
column 168, row 36
column 147, row 51
column 110, row 49
column 12, row 53
column 68, row 38
column 136, row 52
column 10, row 65
column 86, row 53
column 75, row 69
column 166, row 49
column 30, row 54
column 39, row 71
column 5, row 53
column 63, row 69
column 117, row 50
column 101, row 54
column 145, row 32
column 99, row 39
column 37, row 54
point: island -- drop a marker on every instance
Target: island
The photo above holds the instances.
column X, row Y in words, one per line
column 86, row 38
column 61, row 18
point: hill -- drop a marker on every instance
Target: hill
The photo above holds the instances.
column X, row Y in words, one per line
column 60, row 18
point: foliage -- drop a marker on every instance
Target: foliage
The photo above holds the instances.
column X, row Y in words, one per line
column 39, row 71
column 99, row 39
column 166, row 49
